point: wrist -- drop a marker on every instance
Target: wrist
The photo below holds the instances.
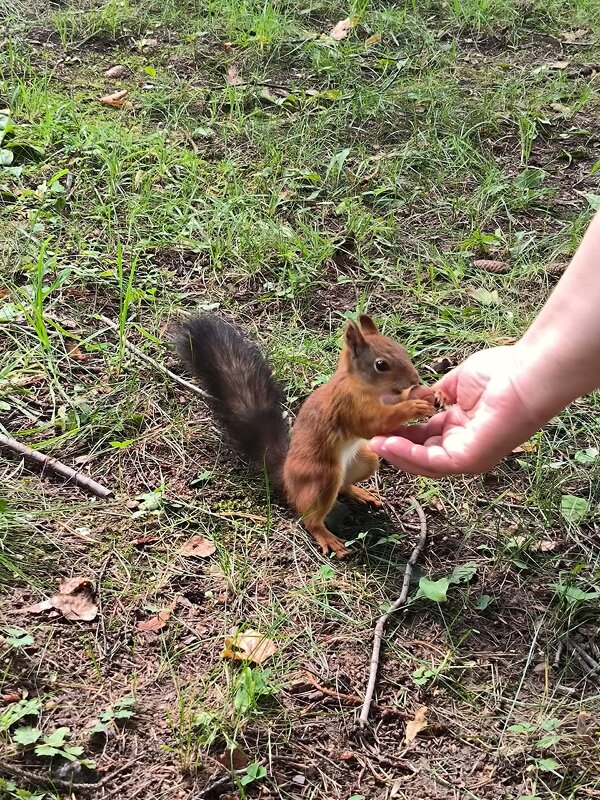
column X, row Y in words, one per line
column 547, row 377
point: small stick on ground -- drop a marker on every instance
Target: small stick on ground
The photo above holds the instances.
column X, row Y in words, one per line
column 348, row 698
column 47, row 462
column 149, row 360
column 590, row 664
column 379, row 628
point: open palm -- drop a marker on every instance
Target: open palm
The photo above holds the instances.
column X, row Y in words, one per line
column 486, row 419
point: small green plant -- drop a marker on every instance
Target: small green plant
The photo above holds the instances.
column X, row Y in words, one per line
column 16, row 637
column 437, row 590
column 253, row 685
column 121, row 710
column 52, row 744
column 254, row 772
column 8, row 789
column 15, row 712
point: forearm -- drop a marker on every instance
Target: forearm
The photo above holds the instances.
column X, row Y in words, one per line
column 560, row 352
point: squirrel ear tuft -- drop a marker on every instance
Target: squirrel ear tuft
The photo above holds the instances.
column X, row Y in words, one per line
column 354, row 338
column 367, row 325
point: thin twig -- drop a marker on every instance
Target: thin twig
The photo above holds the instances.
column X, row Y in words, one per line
column 47, row 462
column 379, row 628
column 37, row 779
column 149, row 360
column 585, row 659
column 348, row 698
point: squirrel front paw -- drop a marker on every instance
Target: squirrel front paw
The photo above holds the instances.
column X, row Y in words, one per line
column 422, row 408
column 434, row 397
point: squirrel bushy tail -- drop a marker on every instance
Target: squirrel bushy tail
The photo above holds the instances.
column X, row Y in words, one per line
column 244, row 396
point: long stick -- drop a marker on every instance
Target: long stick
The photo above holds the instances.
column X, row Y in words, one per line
column 149, row 360
column 47, row 462
column 381, row 622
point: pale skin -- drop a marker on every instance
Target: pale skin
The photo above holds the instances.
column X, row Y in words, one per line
column 499, row 397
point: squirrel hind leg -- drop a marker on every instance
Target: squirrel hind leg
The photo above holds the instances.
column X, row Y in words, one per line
column 326, row 540
column 360, row 469
column 313, row 500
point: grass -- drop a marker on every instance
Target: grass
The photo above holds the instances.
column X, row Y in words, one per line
column 366, row 174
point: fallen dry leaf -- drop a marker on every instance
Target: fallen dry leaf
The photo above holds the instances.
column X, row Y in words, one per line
column 74, row 353
column 544, row 546
column 340, row 31
column 559, row 64
column 116, row 99
column 232, row 77
column 572, row 36
column 158, row 621
column 149, row 42
column 248, row 646
column 10, row 697
column 584, row 723
column 233, row 759
column 75, row 600
column 139, row 541
column 197, row 546
column 526, row 447
column 416, row 725
column 118, row 71
column 490, row 265
column 373, row 39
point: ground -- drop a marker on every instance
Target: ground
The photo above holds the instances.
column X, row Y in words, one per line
column 261, row 167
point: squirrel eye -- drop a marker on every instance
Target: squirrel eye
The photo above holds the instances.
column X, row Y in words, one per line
column 381, row 365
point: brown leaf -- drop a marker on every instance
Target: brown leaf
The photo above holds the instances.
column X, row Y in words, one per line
column 373, row 39
column 248, row 646
column 116, row 99
column 158, row 621
column 490, row 265
column 437, row 503
column 72, row 585
column 340, row 30
column 74, row 600
column 416, row 725
column 572, row 36
column 139, row 541
column 10, row 697
column 149, row 42
column 37, row 608
column 559, row 64
column 544, row 546
column 74, row 353
column 232, row 77
column 118, row 71
column 233, row 759
column 584, row 723
column 75, row 606
column 197, row 546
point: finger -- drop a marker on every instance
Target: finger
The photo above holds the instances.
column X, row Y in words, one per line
column 431, row 461
column 423, row 431
column 449, row 384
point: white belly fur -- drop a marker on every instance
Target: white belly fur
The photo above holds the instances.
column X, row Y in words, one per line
column 349, row 453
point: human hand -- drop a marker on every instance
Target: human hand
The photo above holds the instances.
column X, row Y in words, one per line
column 487, row 418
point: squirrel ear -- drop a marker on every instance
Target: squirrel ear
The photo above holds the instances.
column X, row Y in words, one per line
column 367, row 325
column 354, row 338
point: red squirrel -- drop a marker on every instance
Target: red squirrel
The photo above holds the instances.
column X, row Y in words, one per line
column 373, row 391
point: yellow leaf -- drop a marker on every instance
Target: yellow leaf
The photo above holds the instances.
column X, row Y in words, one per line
column 248, row 646
column 416, row 725
column 373, row 39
